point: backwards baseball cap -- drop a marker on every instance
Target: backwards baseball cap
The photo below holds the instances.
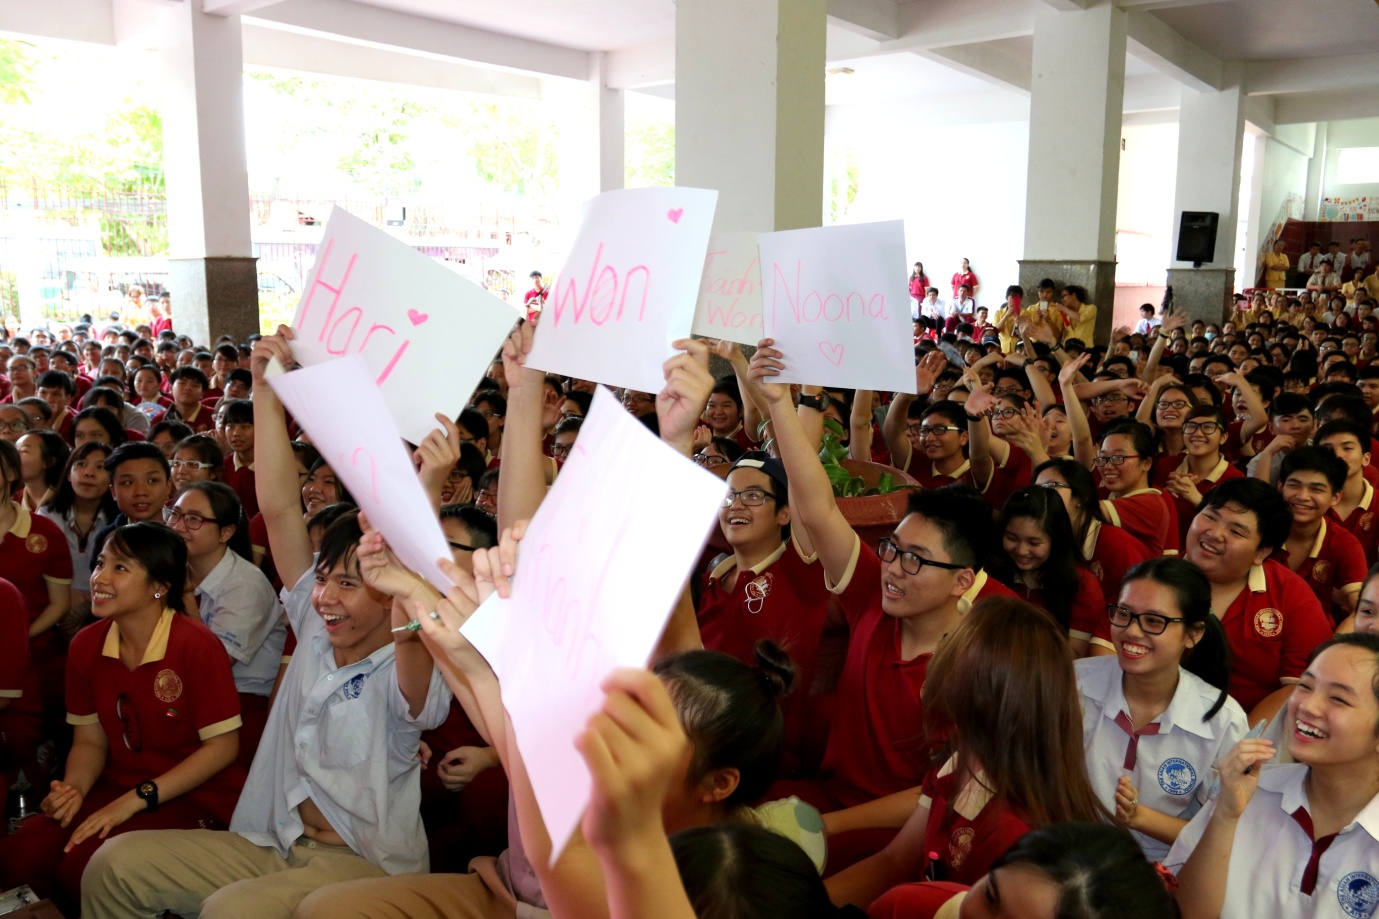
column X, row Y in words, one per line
column 764, row 462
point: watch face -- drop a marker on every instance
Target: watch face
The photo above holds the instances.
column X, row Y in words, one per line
column 146, row 789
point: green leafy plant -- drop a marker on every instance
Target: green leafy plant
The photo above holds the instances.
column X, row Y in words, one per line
column 832, row 452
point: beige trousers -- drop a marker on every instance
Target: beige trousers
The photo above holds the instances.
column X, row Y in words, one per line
column 411, row 896
column 216, row 874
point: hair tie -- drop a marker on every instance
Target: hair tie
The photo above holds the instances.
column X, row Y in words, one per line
column 1170, row 881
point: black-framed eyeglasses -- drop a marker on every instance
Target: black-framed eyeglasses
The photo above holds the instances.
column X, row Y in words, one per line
column 1055, row 485
column 936, row 430
column 1178, row 404
column 124, row 710
column 1115, row 460
column 1005, row 414
column 751, row 497
column 1110, row 397
column 559, row 450
column 456, row 476
column 913, row 429
column 910, row 563
column 14, row 427
column 708, row 460
column 1206, row 427
column 172, row 516
column 487, row 414
column 1000, row 393
column 461, row 546
column 1150, row 623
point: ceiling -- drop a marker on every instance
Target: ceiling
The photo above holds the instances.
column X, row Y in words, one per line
column 1266, row 30
column 589, row 25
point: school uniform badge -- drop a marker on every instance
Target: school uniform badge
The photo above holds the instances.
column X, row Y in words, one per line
column 355, row 687
column 1358, row 894
column 36, row 543
column 1321, row 571
column 1176, row 776
column 167, row 686
column 757, row 590
column 1268, row 623
column 960, row 845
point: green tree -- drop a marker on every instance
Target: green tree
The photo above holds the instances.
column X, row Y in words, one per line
column 649, row 153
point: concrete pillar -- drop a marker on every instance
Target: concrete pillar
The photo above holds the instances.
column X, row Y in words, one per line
column 1316, row 174
column 213, row 281
column 1211, row 130
column 589, row 116
column 1076, row 98
column 749, row 109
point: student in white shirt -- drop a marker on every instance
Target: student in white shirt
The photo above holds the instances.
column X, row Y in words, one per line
column 1299, row 839
column 1156, row 717
column 233, row 597
column 335, row 790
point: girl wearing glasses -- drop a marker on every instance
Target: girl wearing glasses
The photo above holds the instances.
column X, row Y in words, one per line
column 1040, row 562
column 1001, row 694
column 81, row 507
column 196, row 459
column 156, row 719
column 232, row 596
column 1156, row 718
column 1188, row 478
column 1164, row 410
column 1107, row 550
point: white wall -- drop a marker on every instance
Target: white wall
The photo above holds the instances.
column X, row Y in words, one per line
column 1362, row 132
column 1144, row 212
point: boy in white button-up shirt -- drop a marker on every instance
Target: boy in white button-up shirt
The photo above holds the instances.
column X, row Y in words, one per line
column 335, row 790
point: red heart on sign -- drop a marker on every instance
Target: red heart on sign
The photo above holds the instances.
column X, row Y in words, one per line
column 674, row 214
column 831, row 351
column 417, row 318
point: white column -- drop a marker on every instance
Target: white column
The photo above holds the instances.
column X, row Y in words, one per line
column 589, row 115
column 214, row 287
column 749, row 108
column 1316, row 174
column 1211, row 129
column 1076, row 97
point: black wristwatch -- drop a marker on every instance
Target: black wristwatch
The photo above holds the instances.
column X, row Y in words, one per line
column 818, row 403
column 148, row 791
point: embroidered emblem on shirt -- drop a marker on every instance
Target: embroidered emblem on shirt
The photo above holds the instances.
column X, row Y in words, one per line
column 1269, row 623
column 1358, row 893
column 1176, row 776
column 36, row 543
column 167, row 686
column 758, row 589
column 355, row 687
column 1096, row 570
column 1367, row 521
column 960, row 845
column 1321, row 571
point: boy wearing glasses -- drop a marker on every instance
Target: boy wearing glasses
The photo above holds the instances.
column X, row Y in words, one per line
column 1271, row 617
column 1320, row 551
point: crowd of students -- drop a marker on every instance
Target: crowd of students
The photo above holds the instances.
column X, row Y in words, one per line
column 1033, row 697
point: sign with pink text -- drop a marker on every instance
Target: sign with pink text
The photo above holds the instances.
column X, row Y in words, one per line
column 836, row 302
column 598, row 572
column 426, row 333
column 340, row 406
column 730, row 290
column 627, row 289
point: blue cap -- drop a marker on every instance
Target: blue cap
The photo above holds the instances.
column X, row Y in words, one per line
column 764, row 462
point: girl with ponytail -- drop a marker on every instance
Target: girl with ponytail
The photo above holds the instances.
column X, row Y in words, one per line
column 1157, row 717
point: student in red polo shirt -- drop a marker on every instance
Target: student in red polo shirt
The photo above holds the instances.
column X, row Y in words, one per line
column 237, row 420
column 1040, row 562
column 150, row 693
column 769, row 587
column 1204, row 432
column 1002, row 694
column 188, row 386
column 21, row 708
column 1354, row 508
column 724, row 414
column 58, row 390
column 1322, row 553
column 1272, row 618
column 1108, row 550
column 943, row 435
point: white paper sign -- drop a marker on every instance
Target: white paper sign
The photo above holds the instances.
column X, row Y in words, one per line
column 627, row 289
column 598, row 571
column 341, row 407
column 836, row 302
column 730, row 290
column 427, row 334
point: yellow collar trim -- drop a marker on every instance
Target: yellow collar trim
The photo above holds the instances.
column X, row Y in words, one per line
column 157, row 644
column 23, row 521
column 727, row 564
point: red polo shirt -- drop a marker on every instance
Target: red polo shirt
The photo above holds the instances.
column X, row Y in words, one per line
column 1234, row 444
column 203, row 421
column 1111, row 552
column 1272, row 626
column 1336, row 562
column 1363, row 524
column 18, row 684
column 926, row 473
column 241, row 479
column 1149, row 515
column 966, row 832
column 181, row 694
column 1087, row 618
column 1185, row 511
column 32, row 555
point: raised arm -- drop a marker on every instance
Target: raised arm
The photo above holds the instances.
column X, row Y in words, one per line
column 859, row 426
column 811, row 494
column 522, row 486
column 979, row 403
column 1254, row 405
column 275, row 477
column 897, row 413
column 1175, row 320
column 435, row 458
column 752, row 413
column 1083, row 448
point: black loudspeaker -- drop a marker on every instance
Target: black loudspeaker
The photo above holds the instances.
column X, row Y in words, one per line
column 1197, row 237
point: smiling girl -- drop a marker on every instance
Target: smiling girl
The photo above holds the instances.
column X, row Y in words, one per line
column 1157, row 717
column 1189, row 477
column 82, row 506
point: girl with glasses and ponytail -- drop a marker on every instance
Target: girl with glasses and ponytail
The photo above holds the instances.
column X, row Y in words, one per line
column 1156, row 717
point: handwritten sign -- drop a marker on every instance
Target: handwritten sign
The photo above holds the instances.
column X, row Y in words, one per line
column 341, row 407
column 597, row 574
column 426, row 333
column 627, row 289
column 730, row 290
column 835, row 301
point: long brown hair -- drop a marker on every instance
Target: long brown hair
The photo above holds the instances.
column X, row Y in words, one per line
column 1002, row 690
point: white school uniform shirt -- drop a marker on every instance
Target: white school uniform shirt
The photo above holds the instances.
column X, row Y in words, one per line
column 81, row 561
column 1273, row 856
column 239, row 605
column 1173, row 769
column 343, row 737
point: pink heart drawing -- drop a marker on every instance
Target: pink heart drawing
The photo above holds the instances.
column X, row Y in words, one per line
column 675, row 213
column 417, row 318
column 831, row 351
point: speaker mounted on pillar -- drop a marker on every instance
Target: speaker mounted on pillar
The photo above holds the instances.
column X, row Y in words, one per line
column 1197, row 237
